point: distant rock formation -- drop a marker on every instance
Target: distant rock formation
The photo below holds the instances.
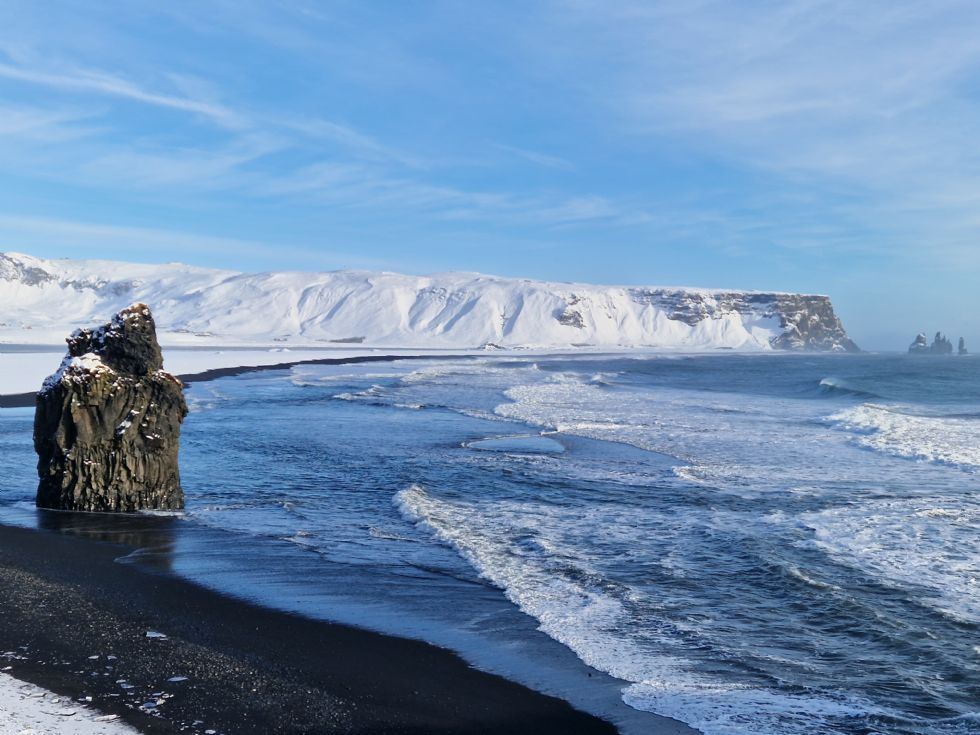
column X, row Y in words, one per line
column 940, row 345
column 962, row 349
column 809, row 323
column 107, row 425
column 920, row 344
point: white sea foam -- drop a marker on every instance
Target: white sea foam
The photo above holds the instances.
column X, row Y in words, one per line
column 721, row 440
column 951, row 440
column 775, row 458
column 529, row 551
column 304, row 376
column 370, row 394
column 441, row 371
column 912, row 544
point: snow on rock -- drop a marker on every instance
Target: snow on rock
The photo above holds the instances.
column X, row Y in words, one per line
column 75, row 370
column 29, row 710
column 40, row 298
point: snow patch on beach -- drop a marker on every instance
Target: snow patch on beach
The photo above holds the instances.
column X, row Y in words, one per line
column 26, row 709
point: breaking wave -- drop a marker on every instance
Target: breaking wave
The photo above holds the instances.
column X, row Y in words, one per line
column 910, row 543
column 551, row 580
column 835, row 387
column 945, row 439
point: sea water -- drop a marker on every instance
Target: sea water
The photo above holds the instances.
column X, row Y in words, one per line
column 749, row 544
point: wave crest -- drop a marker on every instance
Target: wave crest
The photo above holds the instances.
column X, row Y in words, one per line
column 943, row 439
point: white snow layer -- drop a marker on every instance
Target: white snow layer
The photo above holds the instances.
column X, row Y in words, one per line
column 29, row 710
column 43, row 300
column 74, row 368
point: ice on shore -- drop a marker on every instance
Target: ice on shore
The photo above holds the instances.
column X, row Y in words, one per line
column 519, row 444
column 26, row 709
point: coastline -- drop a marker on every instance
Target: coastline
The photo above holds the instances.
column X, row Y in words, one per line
column 453, row 703
column 26, row 400
column 70, row 606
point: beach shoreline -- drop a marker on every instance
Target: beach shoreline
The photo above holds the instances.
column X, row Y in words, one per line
column 168, row 656
column 400, row 685
column 26, row 400
column 532, row 716
column 460, row 698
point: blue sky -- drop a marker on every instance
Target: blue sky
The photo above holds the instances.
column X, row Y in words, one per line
column 818, row 146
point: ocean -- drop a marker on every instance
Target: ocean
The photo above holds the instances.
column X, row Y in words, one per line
column 750, row 544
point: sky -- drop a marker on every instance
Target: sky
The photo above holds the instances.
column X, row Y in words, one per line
column 804, row 145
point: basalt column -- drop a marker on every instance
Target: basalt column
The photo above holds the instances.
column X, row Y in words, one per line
column 107, row 425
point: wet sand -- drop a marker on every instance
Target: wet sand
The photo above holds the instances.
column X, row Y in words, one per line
column 76, row 621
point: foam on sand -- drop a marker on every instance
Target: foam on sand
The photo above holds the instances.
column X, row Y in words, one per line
column 29, row 710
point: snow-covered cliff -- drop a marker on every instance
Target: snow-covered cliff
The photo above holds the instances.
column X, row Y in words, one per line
column 41, row 299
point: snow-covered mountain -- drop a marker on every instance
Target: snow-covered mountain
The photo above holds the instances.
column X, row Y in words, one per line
column 43, row 300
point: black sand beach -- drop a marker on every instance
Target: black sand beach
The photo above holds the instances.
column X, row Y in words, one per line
column 76, row 621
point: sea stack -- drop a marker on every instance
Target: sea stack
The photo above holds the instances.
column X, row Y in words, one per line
column 107, row 425
column 940, row 345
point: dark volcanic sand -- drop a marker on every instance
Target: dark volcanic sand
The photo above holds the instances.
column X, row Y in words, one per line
column 249, row 669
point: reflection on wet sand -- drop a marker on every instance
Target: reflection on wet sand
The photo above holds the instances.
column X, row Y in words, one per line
column 151, row 539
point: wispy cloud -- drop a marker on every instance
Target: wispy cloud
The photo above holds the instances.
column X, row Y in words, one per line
column 99, row 82
column 877, row 94
column 46, row 125
column 536, row 157
column 190, row 98
column 259, row 149
column 364, row 187
column 367, row 175
column 870, row 109
column 356, row 142
column 221, row 167
column 79, row 237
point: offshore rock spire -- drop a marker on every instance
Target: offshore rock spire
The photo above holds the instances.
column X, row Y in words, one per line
column 940, row 345
column 107, row 424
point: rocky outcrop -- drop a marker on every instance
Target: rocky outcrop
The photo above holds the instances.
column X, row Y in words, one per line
column 809, row 323
column 107, row 424
column 940, row 345
column 962, row 348
column 806, row 322
column 14, row 271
